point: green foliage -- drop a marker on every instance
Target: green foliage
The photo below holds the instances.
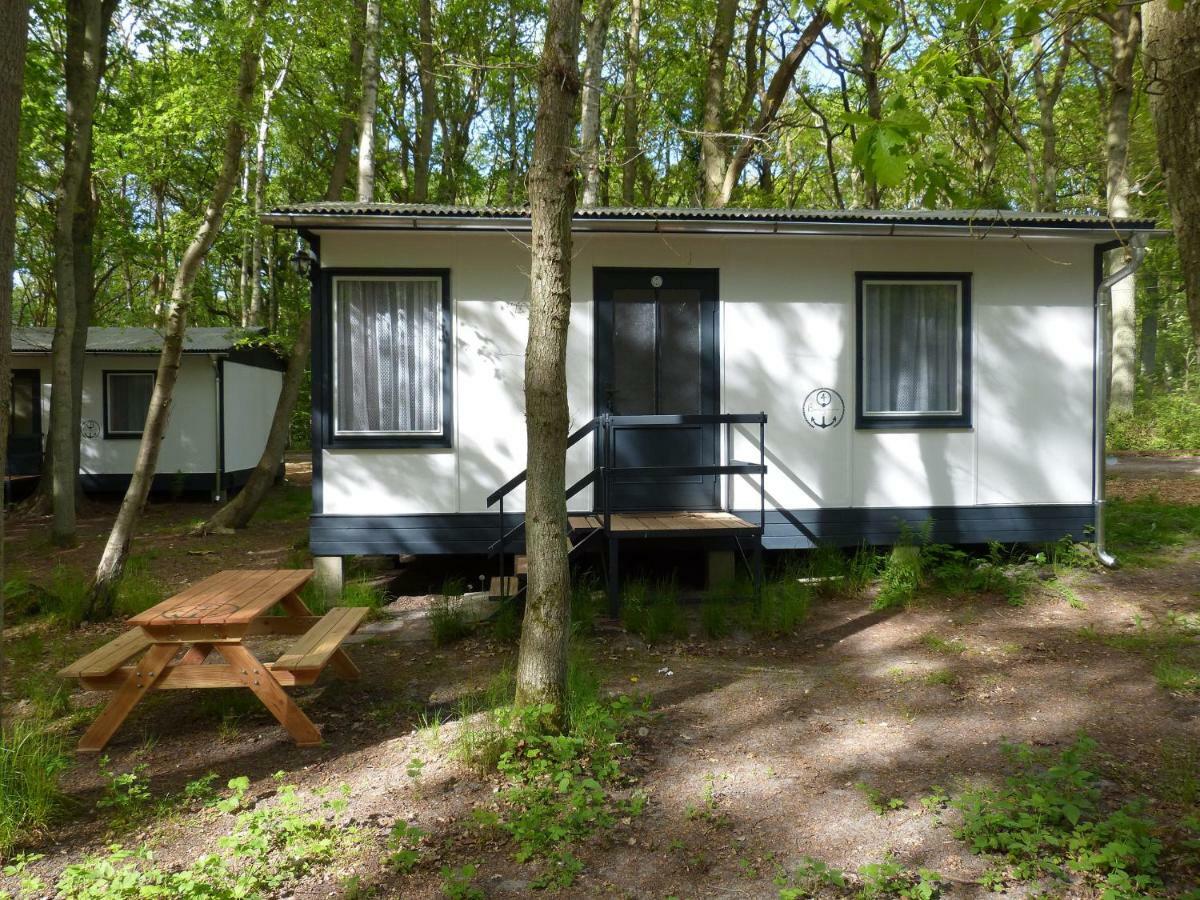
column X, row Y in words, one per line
column 890, row 879
column 273, row 845
column 32, row 757
column 808, row 877
column 1177, row 677
column 458, row 883
column 651, row 611
column 1161, row 422
column 404, row 846
column 1138, row 527
column 126, row 794
column 447, row 619
column 138, row 590
column 879, row 802
column 1050, row 818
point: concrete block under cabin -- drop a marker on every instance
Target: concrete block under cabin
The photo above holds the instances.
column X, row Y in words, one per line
column 224, row 401
column 814, row 377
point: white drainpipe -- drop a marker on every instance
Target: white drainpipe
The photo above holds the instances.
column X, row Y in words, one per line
column 1103, row 360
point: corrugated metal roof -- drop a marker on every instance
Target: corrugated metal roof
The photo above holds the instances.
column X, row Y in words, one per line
column 133, row 340
column 974, row 218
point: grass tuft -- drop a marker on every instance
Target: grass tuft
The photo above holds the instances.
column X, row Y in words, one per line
column 651, row 610
column 31, row 758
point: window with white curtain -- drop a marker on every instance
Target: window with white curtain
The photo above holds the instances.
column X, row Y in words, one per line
column 126, row 403
column 388, row 357
column 913, row 351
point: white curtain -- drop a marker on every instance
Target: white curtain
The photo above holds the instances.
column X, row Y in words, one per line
column 911, row 348
column 389, row 356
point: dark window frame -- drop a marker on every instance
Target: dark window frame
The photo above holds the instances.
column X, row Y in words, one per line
column 109, row 434
column 865, row 421
column 443, row 439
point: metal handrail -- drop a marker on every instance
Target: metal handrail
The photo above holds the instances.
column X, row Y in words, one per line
column 603, row 473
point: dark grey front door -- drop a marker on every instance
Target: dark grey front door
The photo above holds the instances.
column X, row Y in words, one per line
column 656, row 354
column 25, row 424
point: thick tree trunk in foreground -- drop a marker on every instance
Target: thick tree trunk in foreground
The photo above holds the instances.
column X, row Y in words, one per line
column 1125, row 25
column 87, row 24
column 542, row 661
column 367, row 106
column 14, row 21
column 593, row 88
column 1173, row 82
column 238, row 511
column 102, row 593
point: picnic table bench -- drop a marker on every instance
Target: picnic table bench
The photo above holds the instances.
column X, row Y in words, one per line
column 176, row 638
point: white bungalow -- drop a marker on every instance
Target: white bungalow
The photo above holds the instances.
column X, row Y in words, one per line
column 882, row 367
column 224, row 401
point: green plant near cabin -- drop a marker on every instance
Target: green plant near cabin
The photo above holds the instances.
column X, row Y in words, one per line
column 458, row 883
column 32, row 757
column 404, row 846
column 447, row 618
column 1138, row 528
column 1050, row 818
column 651, row 610
column 1162, row 421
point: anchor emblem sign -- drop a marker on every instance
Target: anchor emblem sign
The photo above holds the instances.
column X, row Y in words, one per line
column 824, row 408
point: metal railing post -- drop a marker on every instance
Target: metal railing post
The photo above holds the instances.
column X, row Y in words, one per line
column 500, row 547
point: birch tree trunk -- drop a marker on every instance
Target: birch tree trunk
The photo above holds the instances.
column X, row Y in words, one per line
column 345, row 138
column 1125, row 25
column 423, row 148
column 542, row 660
column 259, row 316
column 103, row 589
column 367, row 106
column 14, row 23
column 1173, row 82
column 593, row 89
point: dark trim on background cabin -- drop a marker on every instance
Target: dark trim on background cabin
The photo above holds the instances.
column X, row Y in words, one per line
column 317, row 364
column 795, row 529
column 219, row 485
column 164, row 482
column 255, row 357
column 870, row 422
column 330, row 438
column 121, row 435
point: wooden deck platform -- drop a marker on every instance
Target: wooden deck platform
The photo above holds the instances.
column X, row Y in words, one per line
column 666, row 524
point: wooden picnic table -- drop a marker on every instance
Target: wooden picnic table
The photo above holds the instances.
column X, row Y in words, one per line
column 176, row 638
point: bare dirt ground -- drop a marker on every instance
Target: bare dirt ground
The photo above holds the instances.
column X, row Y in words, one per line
column 753, row 753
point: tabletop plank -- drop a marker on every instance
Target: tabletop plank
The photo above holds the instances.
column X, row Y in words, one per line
column 235, row 596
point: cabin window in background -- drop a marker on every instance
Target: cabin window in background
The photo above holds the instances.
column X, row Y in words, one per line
column 390, row 358
column 913, row 351
column 126, row 403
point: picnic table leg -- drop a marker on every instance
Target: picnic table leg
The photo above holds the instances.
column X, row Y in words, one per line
column 196, row 655
column 341, row 662
column 259, row 679
column 146, row 673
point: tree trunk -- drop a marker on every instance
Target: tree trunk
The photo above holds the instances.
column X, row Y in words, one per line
column 712, row 139
column 238, row 511
column 367, row 106
column 593, row 88
column 1125, row 24
column 423, row 149
column 1173, row 77
column 512, row 139
column 345, row 138
column 14, row 23
column 87, row 25
column 542, row 660
column 103, row 589
column 259, row 316
column 631, row 153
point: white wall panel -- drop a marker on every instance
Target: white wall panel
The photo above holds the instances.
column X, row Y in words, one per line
column 251, row 394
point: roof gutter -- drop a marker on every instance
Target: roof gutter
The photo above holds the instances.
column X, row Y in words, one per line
column 1102, row 357
column 660, row 225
